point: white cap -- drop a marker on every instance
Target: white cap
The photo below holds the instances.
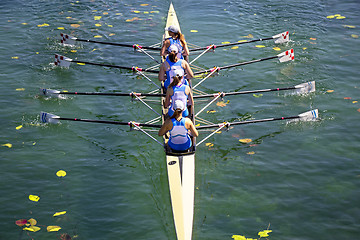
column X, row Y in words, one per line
column 172, row 28
column 179, row 72
column 173, row 48
column 178, row 104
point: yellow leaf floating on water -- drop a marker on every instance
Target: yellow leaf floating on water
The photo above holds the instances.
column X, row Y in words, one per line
column 154, row 12
column 144, row 4
column 260, row 46
column 32, row 222
column 304, row 48
column 19, row 127
column 341, row 17
column 331, row 16
column 221, row 103
column 211, row 111
column 82, row 64
column 337, row 15
column 61, row 173
column 264, row 233
column 110, row 25
column 194, row 31
column 59, row 213
column 43, row 25
column 34, row 198
column 313, row 39
column 136, row 11
column 98, row 25
column 20, row 89
column 257, row 95
column 146, row 12
column 9, row 145
column 245, row 140
column 61, row 28
column 53, row 228
column 24, row 23
column 330, row 91
column 277, row 49
column 97, row 17
column 354, row 36
column 16, row 57
column 105, row 13
column 32, row 229
column 73, row 51
column 238, row 237
column 197, row 125
column 209, row 144
column 349, row 26
column 111, row 34
column 236, row 47
column 250, row 153
column 97, row 36
column 225, row 42
column 75, row 25
column 354, row 101
column 242, row 41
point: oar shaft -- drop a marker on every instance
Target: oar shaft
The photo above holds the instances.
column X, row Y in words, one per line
column 248, row 122
column 109, row 122
column 117, row 44
column 237, row 64
column 230, row 44
column 114, row 66
column 114, row 94
column 245, row 92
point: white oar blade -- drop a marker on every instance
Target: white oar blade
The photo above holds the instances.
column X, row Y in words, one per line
column 67, row 40
column 282, row 37
column 310, row 115
column 49, row 92
column 62, row 61
column 307, row 87
column 49, row 118
column 286, row 56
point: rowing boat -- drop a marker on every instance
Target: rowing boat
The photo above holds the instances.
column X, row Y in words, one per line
column 180, row 168
column 180, row 165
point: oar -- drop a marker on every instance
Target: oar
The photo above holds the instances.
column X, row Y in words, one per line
column 70, row 40
column 282, row 57
column 56, row 93
column 306, row 116
column 51, row 118
column 63, row 61
column 302, row 88
column 278, row 38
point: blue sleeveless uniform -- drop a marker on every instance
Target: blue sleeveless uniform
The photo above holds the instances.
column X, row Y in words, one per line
column 179, row 138
column 177, row 43
column 170, row 72
column 179, row 94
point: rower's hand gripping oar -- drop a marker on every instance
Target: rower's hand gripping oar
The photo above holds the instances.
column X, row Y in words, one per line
column 63, row 61
column 278, row 39
column 306, row 116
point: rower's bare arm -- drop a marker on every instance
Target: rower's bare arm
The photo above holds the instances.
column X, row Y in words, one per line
column 165, row 46
column 191, row 99
column 161, row 75
column 192, row 128
column 165, row 127
column 186, row 53
column 188, row 70
column 169, row 92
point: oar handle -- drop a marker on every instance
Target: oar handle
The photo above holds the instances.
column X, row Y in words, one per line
column 114, row 94
column 111, row 122
column 135, row 46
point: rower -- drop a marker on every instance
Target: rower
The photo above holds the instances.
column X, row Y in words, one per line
column 178, row 127
column 177, row 90
column 172, row 63
column 177, row 39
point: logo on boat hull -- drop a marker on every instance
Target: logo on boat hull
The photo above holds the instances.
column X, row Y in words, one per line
column 172, row 163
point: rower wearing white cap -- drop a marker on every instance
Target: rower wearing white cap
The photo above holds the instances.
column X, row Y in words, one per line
column 171, row 64
column 177, row 39
column 178, row 127
column 177, row 90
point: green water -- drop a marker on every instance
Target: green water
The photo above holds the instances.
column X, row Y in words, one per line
column 303, row 178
